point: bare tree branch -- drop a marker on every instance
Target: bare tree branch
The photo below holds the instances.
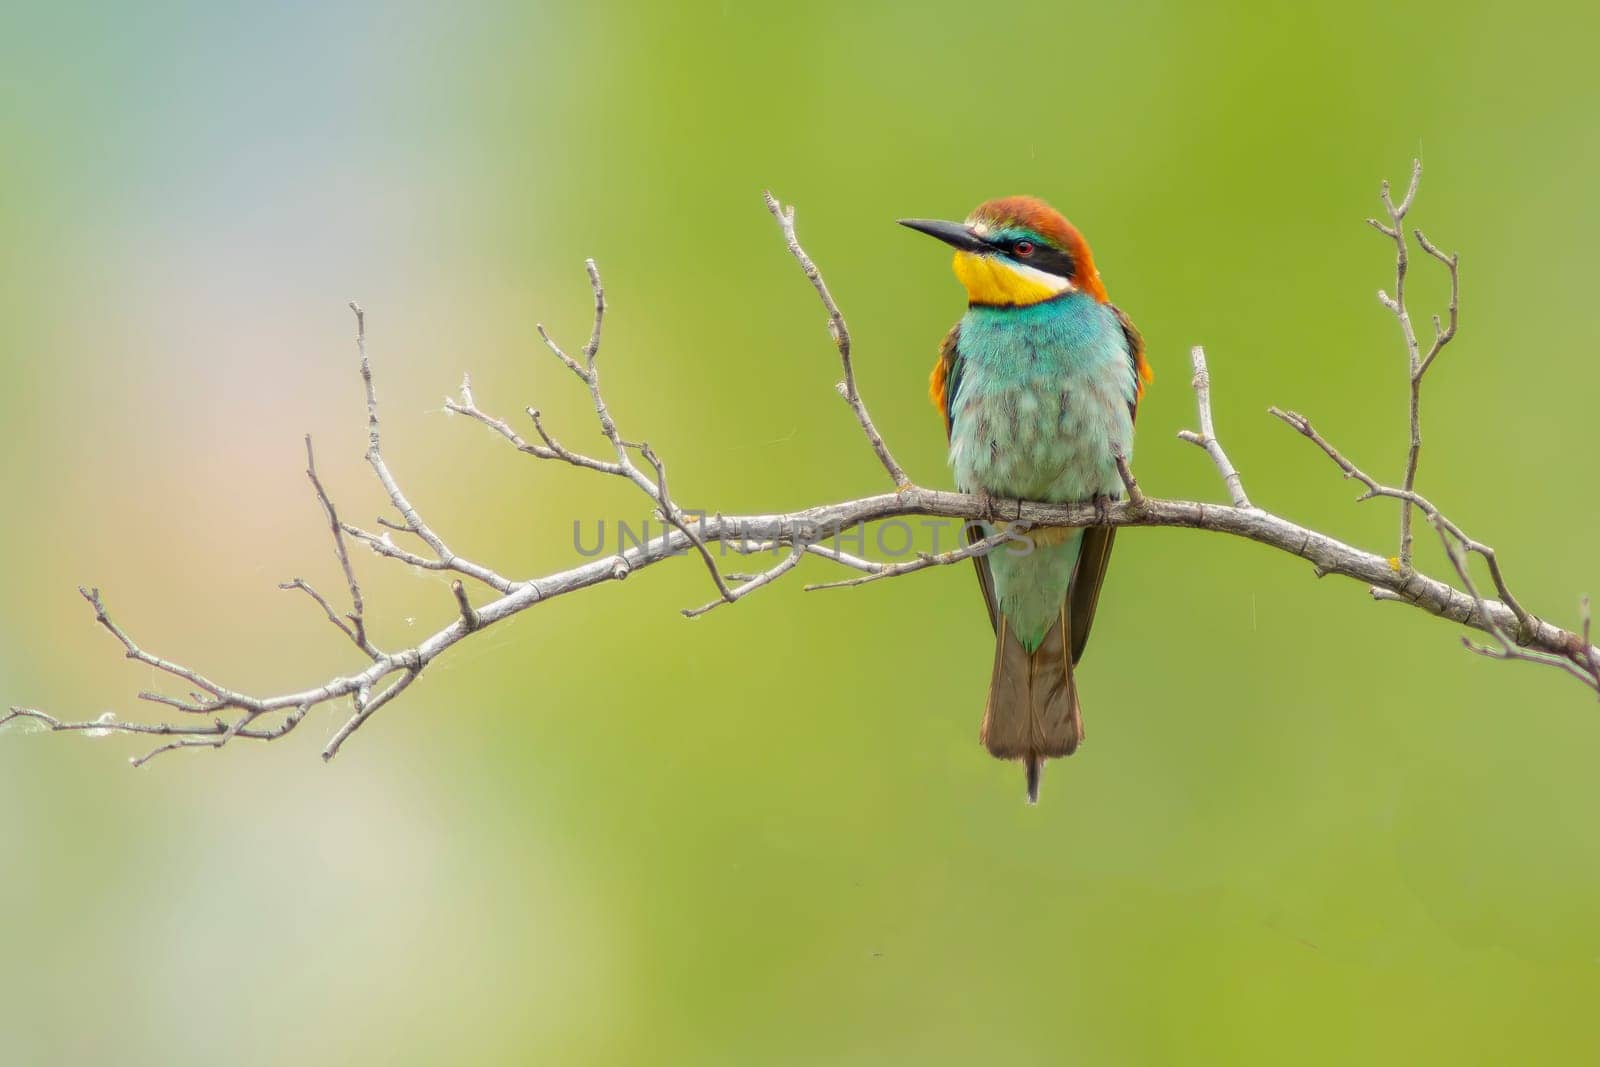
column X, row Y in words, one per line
column 214, row 714
column 752, row 583
column 1129, row 482
column 653, row 484
column 1417, row 362
column 1507, row 647
column 1442, row 334
column 446, row 559
column 322, row 601
column 878, row 571
column 1207, row 437
column 357, row 628
column 469, row 615
column 841, row 340
column 1414, row 499
column 367, row 706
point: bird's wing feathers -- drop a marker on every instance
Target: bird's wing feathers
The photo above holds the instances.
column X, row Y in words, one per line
column 985, row 576
column 942, row 386
column 946, row 376
column 1083, row 594
column 1142, row 374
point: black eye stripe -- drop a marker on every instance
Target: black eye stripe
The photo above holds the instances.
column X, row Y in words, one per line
column 1045, row 257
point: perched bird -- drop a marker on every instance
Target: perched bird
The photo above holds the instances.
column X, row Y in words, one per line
column 1038, row 385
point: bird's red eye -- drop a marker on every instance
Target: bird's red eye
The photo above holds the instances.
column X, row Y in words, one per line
column 1023, row 248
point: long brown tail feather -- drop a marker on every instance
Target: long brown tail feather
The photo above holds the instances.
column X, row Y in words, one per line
column 1032, row 713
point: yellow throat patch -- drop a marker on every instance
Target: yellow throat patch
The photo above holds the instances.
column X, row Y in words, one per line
column 993, row 280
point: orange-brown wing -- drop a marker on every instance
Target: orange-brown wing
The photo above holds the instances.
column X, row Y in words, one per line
column 942, row 386
column 1094, row 555
column 946, row 376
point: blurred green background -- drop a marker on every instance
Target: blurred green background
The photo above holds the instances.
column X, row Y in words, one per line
column 1307, row 828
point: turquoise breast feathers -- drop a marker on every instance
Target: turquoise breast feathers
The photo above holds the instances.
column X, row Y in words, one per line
column 1043, row 404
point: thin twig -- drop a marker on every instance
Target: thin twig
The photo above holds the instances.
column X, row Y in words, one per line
column 1442, row 334
column 588, row 372
column 1207, row 437
column 357, row 629
column 413, row 520
column 923, row 560
column 751, row 584
column 841, row 339
column 1129, row 482
column 327, row 608
column 227, row 696
column 1414, row 499
column 469, row 407
column 367, row 710
column 1417, row 363
column 1507, row 649
column 469, row 616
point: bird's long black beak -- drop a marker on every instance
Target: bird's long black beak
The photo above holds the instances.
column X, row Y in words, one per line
column 951, row 233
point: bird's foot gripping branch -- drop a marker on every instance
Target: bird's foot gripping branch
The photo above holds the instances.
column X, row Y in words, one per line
column 210, row 714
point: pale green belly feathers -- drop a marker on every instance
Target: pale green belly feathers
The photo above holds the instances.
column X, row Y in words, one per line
column 1040, row 413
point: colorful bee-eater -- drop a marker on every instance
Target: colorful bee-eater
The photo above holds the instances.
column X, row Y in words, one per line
column 1038, row 385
